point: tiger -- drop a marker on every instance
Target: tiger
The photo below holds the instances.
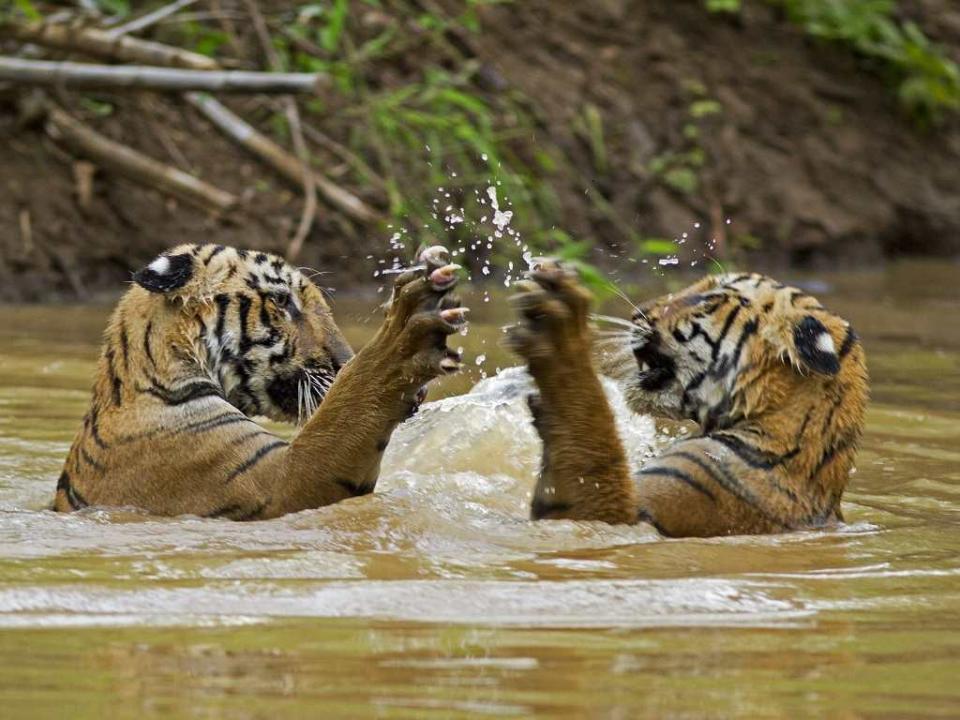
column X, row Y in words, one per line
column 207, row 338
column 777, row 385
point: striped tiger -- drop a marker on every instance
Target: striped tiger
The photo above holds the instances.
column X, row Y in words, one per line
column 209, row 336
column 776, row 383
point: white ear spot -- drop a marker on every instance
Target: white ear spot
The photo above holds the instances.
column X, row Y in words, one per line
column 825, row 343
column 160, row 266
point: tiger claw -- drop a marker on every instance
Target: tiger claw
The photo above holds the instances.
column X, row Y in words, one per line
column 455, row 316
column 444, row 277
column 450, row 366
column 434, row 257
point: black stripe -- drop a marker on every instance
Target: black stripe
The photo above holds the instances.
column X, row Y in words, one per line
column 681, row 476
column 698, row 331
column 731, row 283
column 237, row 512
column 184, row 394
column 223, row 302
column 254, row 459
column 200, row 426
column 848, row 342
column 245, row 303
column 749, row 328
column 755, row 457
column 354, row 489
column 146, row 343
column 240, row 439
column 98, row 466
column 94, row 417
column 115, row 382
column 124, row 346
column 831, row 452
column 75, row 500
column 728, row 482
column 216, row 251
column 540, row 508
column 728, row 323
column 644, row 516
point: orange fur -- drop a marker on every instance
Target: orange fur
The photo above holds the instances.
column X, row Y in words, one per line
column 777, row 384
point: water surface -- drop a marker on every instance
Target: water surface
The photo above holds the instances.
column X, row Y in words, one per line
column 437, row 598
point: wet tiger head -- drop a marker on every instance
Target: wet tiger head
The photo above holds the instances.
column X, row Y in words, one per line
column 734, row 346
column 247, row 320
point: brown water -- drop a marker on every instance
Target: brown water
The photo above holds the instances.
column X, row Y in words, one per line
column 436, row 598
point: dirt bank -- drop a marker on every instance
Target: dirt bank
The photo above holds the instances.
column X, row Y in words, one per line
column 664, row 118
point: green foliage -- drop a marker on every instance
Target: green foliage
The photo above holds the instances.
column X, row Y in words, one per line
column 114, row 7
column 25, row 8
column 656, row 246
column 928, row 82
column 680, row 169
column 729, row 6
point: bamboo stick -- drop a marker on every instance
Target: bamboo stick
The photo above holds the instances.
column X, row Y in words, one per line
column 82, row 75
column 126, row 161
column 106, row 44
column 279, row 159
column 151, row 18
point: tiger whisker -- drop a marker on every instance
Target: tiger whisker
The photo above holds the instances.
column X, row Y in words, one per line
column 614, row 320
column 623, row 296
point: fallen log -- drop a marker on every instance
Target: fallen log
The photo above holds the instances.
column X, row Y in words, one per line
column 106, row 153
column 82, row 75
column 276, row 157
column 106, row 44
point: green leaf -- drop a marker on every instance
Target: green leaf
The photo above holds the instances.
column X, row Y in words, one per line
column 657, row 246
column 29, row 11
column 682, row 179
column 703, row 108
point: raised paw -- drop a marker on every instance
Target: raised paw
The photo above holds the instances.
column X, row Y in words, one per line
column 552, row 309
column 422, row 313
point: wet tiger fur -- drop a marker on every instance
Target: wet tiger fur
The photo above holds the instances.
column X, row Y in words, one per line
column 777, row 384
column 209, row 336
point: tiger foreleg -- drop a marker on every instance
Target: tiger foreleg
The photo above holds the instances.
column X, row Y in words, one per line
column 584, row 473
column 338, row 453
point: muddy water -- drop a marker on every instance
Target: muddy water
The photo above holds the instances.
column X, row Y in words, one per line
column 436, row 598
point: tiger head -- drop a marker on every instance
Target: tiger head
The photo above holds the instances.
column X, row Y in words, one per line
column 248, row 321
column 731, row 347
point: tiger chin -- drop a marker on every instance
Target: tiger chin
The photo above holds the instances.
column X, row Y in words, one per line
column 209, row 336
column 777, row 384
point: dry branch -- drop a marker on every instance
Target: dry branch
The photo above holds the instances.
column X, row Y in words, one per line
column 279, row 159
column 81, row 75
column 106, row 44
column 113, row 156
column 296, row 132
column 151, row 18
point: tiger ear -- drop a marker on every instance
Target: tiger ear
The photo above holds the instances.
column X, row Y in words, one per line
column 166, row 273
column 813, row 346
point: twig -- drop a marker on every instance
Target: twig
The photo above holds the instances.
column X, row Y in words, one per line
column 309, row 212
column 106, row 44
column 279, row 159
column 151, row 18
column 135, row 165
column 81, row 75
column 344, row 153
column 26, row 230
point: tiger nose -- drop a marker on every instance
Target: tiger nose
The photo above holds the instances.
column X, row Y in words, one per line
column 340, row 354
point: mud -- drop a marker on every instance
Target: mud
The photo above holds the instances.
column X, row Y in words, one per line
column 804, row 148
